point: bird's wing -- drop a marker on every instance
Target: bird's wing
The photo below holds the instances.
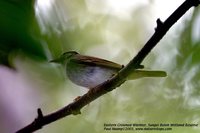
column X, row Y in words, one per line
column 93, row 61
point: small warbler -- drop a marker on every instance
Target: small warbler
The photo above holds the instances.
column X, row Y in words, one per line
column 90, row 71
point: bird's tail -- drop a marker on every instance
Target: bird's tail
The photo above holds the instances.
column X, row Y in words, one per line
column 145, row 73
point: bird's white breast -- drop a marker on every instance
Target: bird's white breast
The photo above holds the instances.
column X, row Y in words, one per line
column 89, row 76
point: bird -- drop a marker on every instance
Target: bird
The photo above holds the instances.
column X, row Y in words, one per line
column 88, row 71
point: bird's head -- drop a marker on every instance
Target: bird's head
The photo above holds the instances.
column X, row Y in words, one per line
column 64, row 57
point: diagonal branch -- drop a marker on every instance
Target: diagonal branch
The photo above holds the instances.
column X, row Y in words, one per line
column 75, row 107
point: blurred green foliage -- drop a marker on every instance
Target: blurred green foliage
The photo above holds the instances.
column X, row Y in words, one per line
column 46, row 32
column 18, row 30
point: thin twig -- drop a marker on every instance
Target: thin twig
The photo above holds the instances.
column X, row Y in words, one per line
column 75, row 107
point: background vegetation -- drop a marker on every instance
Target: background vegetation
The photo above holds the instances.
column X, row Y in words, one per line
column 33, row 32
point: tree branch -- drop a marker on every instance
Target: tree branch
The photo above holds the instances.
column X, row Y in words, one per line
column 75, row 107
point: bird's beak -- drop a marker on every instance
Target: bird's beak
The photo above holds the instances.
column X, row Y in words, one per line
column 58, row 60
